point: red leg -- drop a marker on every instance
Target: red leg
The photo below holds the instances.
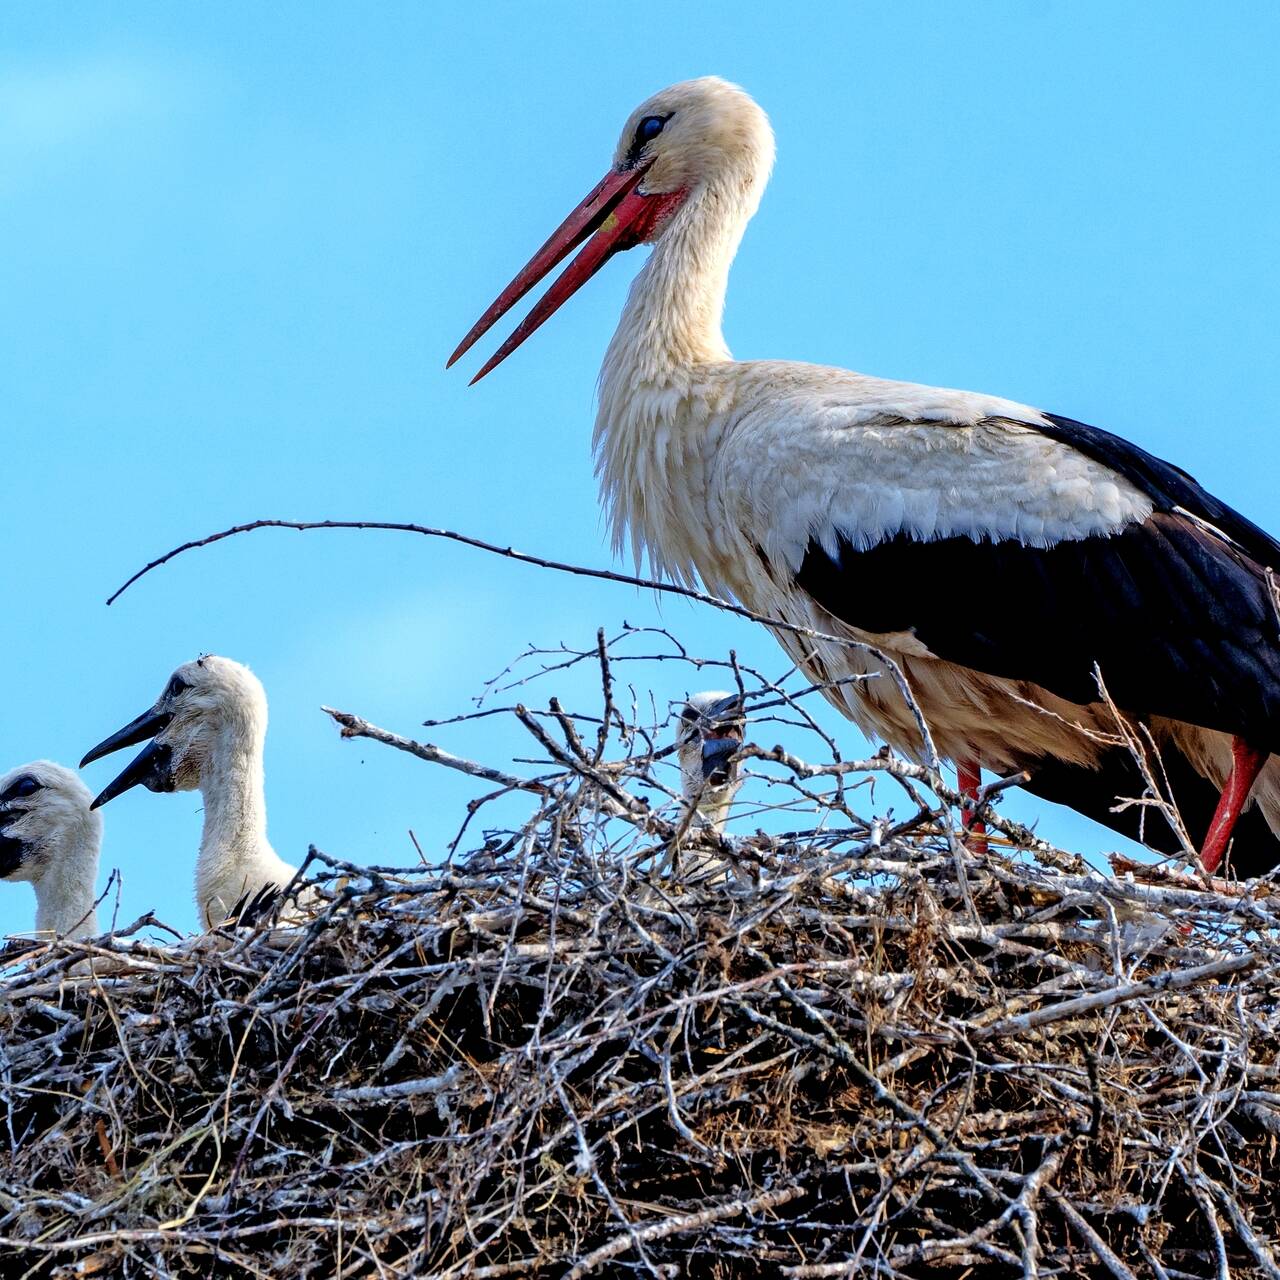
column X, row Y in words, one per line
column 969, row 776
column 1246, row 764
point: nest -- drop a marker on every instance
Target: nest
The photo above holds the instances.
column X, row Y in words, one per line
column 601, row 1040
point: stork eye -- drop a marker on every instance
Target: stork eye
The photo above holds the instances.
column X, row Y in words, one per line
column 27, row 786
column 649, row 128
column 176, row 686
column 688, row 715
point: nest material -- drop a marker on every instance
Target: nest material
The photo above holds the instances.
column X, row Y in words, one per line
column 864, row 1048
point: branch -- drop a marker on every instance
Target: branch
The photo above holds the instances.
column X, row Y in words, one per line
column 559, row 566
column 376, row 1095
column 676, row 1226
column 354, row 727
column 1168, row 980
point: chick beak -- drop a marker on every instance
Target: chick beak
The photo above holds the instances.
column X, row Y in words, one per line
column 719, row 746
column 150, row 767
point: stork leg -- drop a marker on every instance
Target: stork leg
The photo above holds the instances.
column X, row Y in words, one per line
column 1246, row 764
column 969, row 777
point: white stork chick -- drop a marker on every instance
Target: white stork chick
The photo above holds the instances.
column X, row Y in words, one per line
column 207, row 731
column 881, row 511
column 50, row 837
column 707, row 739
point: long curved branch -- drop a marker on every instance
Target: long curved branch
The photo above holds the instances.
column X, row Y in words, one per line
column 560, row 566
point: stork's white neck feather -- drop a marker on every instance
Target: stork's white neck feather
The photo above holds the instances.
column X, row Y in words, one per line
column 672, row 318
column 658, row 385
column 65, row 888
column 235, row 855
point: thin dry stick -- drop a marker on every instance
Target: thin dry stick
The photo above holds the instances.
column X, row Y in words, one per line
column 1171, row 980
column 353, row 726
column 680, row 1225
column 558, row 566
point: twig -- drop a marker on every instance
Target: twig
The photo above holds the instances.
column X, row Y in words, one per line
column 354, row 727
column 680, row 1225
column 1169, row 980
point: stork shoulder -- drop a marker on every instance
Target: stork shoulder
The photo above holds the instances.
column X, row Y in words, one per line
column 839, row 457
column 858, row 398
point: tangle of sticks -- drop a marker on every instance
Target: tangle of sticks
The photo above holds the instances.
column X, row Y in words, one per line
column 600, row 1039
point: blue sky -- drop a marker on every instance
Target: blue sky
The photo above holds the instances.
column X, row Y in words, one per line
column 241, row 240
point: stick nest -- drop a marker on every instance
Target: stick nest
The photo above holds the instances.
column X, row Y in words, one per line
column 605, row 1041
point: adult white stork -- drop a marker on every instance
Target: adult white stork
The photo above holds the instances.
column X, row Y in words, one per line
column 875, row 510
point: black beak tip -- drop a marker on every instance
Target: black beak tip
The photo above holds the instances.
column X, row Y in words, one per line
column 149, row 768
column 147, row 725
column 717, row 761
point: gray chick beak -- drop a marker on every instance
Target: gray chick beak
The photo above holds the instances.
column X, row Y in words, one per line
column 720, row 729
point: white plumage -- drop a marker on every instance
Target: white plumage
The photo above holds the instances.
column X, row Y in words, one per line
column 208, row 730
column 751, row 468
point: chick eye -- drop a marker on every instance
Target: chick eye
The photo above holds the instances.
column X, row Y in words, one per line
column 649, row 128
column 176, row 686
column 688, row 715
column 27, row 786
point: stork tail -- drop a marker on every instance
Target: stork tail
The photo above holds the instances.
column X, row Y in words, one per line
column 1096, row 793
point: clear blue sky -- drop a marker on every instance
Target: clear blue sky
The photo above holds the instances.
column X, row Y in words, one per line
column 241, row 239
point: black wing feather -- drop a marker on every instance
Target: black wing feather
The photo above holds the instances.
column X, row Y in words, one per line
column 1095, row 792
column 256, row 907
column 1167, row 485
column 1181, row 621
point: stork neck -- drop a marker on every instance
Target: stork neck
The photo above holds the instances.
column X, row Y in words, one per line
column 235, row 811
column 672, row 319
column 65, row 892
column 659, row 388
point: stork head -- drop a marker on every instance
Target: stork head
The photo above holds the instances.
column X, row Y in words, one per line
column 44, row 812
column 695, row 135
column 695, row 142
column 209, row 710
column 710, row 733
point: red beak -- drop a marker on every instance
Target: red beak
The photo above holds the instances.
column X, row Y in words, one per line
column 621, row 217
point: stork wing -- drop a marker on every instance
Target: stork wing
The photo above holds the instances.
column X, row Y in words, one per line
column 1171, row 488
column 1172, row 599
